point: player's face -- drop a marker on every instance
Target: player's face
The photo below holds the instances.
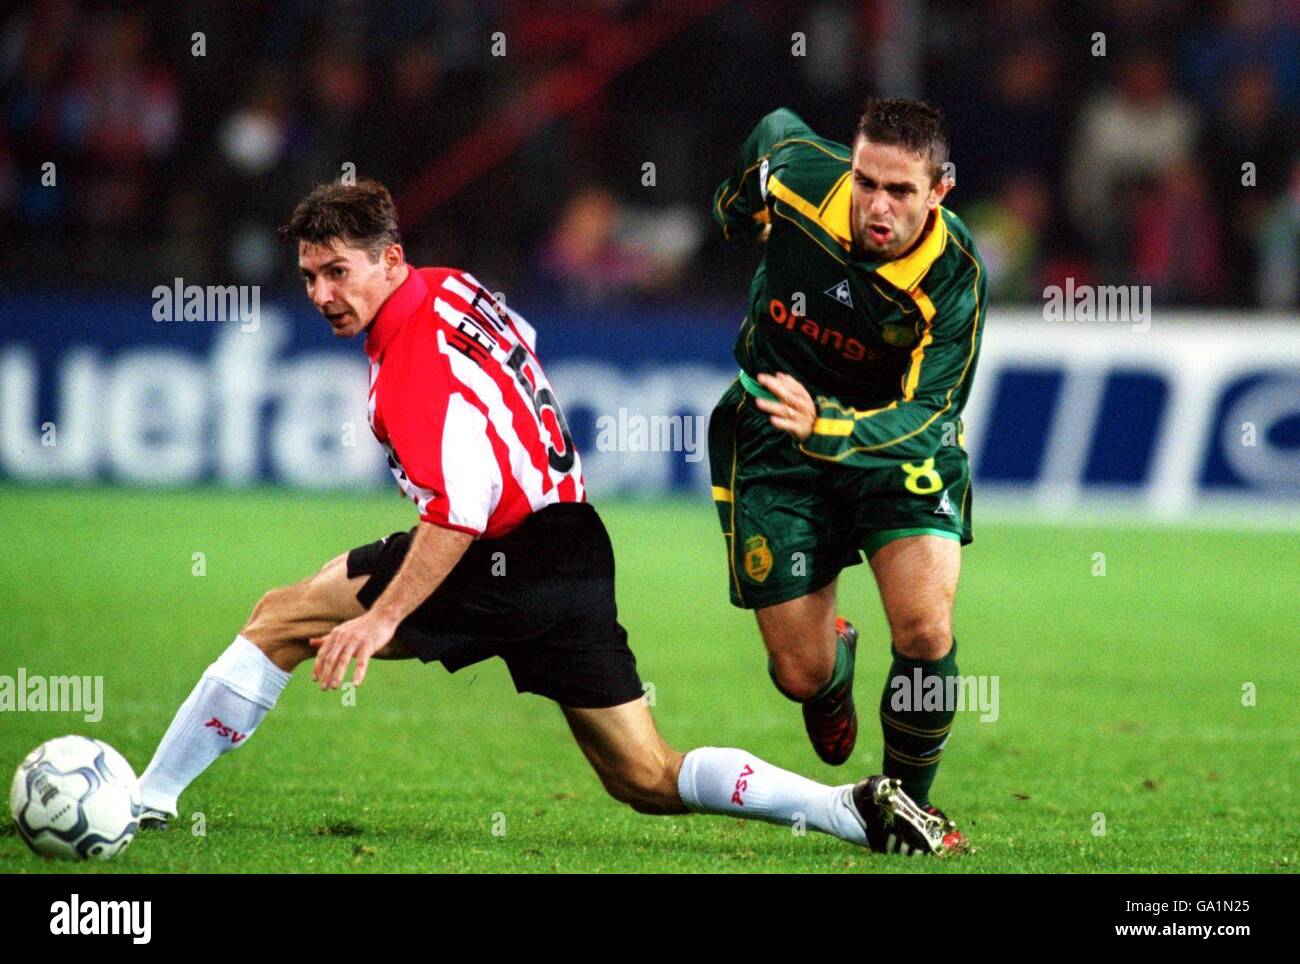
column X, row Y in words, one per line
column 892, row 197
column 345, row 285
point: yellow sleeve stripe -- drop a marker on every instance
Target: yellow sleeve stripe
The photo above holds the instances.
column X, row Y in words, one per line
column 833, row 426
column 720, row 494
column 855, row 413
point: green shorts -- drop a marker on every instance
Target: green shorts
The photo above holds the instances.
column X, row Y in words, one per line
column 793, row 522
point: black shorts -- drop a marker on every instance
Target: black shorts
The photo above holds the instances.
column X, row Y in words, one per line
column 541, row 598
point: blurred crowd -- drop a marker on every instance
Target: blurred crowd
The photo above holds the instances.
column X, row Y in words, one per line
column 569, row 150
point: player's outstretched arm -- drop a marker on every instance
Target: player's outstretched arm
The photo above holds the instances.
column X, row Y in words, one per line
column 740, row 202
column 434, row 552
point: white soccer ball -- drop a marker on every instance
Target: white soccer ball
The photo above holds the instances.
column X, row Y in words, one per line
column 76, row 798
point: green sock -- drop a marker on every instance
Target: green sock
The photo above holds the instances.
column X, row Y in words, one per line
column 843, row 671
column 915, row 737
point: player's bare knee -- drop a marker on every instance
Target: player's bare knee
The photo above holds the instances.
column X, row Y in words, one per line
column 798, row 677
column 272, row 628
column 924, row 639
column 265, row 619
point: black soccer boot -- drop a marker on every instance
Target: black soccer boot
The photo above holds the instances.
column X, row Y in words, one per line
column 893, row 822
column 153, row 819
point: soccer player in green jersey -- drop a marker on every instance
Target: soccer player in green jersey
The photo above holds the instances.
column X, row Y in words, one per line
column 842, row 435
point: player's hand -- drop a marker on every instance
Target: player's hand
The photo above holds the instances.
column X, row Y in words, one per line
column 793, row 410
column 357, row 639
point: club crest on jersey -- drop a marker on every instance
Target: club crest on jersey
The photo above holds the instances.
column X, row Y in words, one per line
column 900, row 336
column 840, row 293
column 758, row 558
column 945, row 507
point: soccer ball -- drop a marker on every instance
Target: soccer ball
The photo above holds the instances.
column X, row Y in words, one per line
column 75, row 798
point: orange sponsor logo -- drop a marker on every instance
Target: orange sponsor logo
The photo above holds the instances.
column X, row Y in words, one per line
column 824, row 335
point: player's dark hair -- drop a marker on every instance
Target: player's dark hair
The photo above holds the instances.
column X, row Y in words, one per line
column 911, row 124
column 361, row 215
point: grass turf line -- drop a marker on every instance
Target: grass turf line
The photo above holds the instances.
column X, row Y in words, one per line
column 1119, row 695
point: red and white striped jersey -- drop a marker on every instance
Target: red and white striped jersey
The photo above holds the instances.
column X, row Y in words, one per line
column 473, row 430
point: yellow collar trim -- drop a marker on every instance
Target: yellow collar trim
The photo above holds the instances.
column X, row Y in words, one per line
column 834, row 217
column 906, row 273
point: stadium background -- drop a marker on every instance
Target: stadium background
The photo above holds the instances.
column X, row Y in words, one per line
column 566, row 154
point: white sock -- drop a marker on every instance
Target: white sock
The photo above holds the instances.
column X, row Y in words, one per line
column 739, row 784
column 231, row 699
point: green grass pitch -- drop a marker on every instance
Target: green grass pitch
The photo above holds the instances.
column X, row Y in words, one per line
column 1120, row 694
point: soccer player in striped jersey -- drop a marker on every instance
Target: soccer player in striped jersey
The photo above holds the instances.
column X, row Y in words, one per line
column 508, row 558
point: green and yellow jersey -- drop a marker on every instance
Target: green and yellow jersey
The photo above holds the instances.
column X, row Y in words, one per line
column 887, row 348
